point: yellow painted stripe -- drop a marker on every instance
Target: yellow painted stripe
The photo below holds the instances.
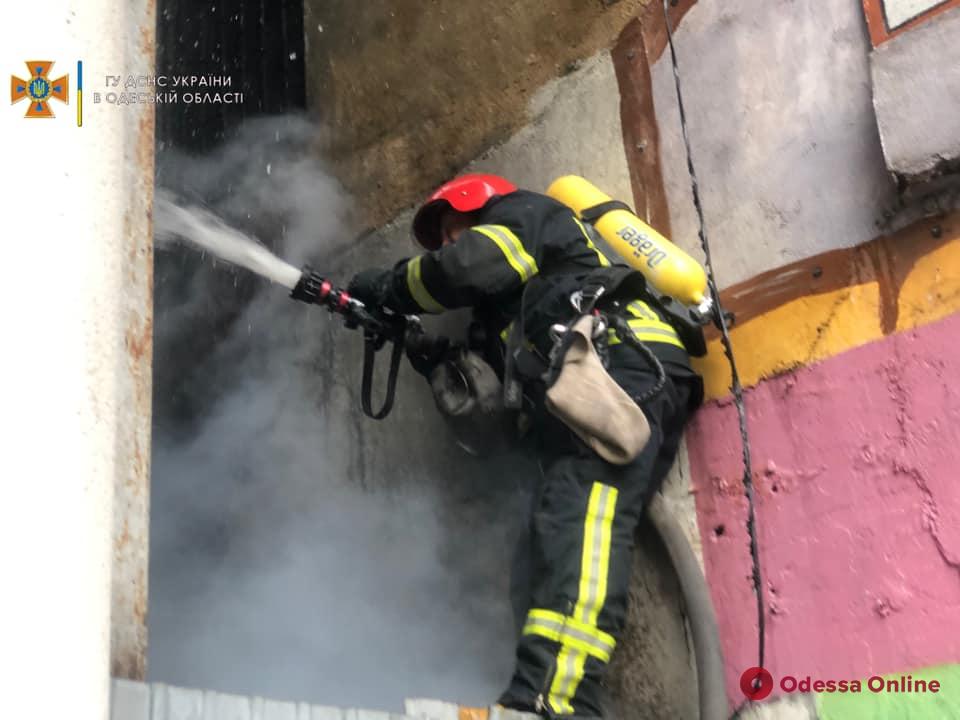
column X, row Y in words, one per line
column 604, row 262
column 799, row 332
column 418, row 290
column 470, row 713
column 511, row 247
column 931, row 291
column 813, row 328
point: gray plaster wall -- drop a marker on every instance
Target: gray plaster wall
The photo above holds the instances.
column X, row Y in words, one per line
column 574, row 129
column 782, row 129
column 916, row 88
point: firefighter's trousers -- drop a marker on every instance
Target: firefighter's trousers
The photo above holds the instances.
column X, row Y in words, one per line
column 578, row 554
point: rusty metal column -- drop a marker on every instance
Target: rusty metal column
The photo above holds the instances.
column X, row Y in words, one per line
column 76, row 318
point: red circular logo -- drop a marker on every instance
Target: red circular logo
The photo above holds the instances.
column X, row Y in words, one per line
column 756, row 683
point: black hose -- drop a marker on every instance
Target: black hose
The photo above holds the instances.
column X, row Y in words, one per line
column 699, row 608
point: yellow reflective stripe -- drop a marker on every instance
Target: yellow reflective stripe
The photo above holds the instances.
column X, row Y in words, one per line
column 596, row 550
column 644, row 324
column 612, row 338
column 569, row 673
column 511, row 247
column 647, row 326
column 654, row 332
column 551, row 616
column 639, row 308
column 418, row 290
column 604, row 262
column 578, row 634
column 655, row 336
column 567, row 640
column 569, row 631
column 587, row 582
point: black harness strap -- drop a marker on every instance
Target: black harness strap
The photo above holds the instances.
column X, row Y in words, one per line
column 626, row 335
column 370, row 345
column 594, row 213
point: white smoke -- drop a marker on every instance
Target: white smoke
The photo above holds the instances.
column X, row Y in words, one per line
column 298, row 550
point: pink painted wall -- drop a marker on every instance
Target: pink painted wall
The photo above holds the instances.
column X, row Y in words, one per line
column 857, row 467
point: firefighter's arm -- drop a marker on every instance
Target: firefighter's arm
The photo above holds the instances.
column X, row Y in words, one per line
column 486, row 260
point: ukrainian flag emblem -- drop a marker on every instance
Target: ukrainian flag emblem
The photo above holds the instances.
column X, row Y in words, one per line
column 39, row 89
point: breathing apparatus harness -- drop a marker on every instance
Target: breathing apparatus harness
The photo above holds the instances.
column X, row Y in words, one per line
column 603, row 293
column 584, row 302
column 720, row 318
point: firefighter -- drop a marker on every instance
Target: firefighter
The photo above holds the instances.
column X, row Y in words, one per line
column 486, row 243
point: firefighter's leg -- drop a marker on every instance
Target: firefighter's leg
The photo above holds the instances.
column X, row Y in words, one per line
column 583, row 534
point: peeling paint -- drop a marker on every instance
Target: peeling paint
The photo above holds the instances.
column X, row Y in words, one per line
column 131, row 487
column 641, row 139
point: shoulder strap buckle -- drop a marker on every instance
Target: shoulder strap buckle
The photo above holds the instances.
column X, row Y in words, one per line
column 584, row 299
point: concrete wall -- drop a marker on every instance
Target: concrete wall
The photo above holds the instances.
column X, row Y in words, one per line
column 76, row 366
column 412, row 92
column 844, row 335
column 915, row 81
column 844, row 327
column 781, row 124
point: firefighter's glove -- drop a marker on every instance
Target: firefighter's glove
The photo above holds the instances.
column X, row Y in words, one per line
column 425, row 353
column 370, row 287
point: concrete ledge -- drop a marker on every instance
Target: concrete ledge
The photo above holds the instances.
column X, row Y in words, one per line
column 798, row 707
column 157, row 701
column 916, row 87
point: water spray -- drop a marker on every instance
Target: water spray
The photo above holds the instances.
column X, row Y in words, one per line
column 379, row 325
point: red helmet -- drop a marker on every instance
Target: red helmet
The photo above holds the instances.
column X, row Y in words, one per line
column 466, row 194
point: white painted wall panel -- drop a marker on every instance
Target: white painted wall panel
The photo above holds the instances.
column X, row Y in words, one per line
column 900, row 11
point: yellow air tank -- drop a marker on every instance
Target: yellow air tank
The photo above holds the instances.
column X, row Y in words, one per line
column 668, row 268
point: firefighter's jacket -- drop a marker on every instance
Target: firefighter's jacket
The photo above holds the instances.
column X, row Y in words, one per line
column 519, row 237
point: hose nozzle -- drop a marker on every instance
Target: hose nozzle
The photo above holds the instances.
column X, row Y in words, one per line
column 312, row 288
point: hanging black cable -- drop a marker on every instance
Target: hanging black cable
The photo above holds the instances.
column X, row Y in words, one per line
column 721, row 321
